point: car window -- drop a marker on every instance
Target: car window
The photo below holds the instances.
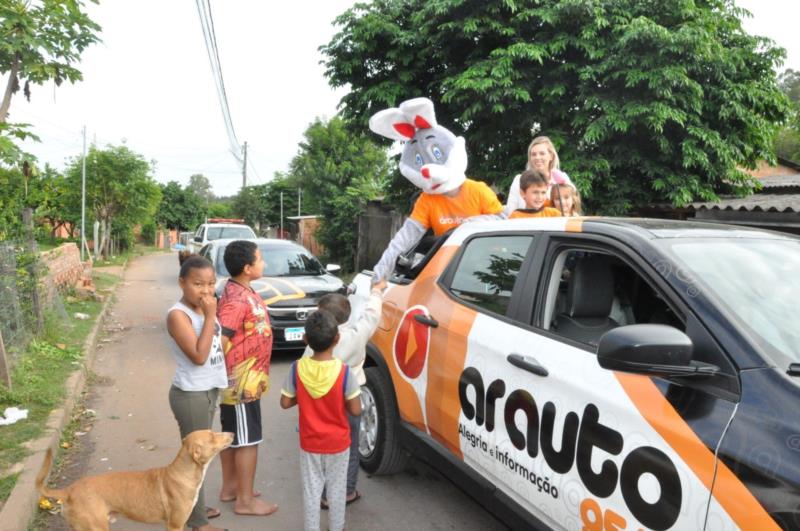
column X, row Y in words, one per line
column 757, row 281
column 488, row 269
column 236, row 233
column 590, row 292
column 280, row 261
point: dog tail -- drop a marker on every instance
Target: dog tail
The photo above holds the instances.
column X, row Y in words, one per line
column 42, row 475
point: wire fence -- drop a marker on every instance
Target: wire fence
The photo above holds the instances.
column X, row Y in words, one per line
column 27, row 294
column 17, row 321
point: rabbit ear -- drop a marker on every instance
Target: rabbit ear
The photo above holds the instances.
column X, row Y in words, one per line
column 392, row 123
column 419, row 111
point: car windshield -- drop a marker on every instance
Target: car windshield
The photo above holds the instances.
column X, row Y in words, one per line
column 236, row 233
column 280, row 261
column 758, row 283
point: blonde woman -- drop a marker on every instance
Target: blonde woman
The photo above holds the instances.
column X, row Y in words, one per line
column 542, row 156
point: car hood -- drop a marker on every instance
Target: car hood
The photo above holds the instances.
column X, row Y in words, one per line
column 287, row 292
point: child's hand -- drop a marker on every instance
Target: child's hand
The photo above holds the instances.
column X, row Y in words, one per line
column 209, row 306
column 380, row 285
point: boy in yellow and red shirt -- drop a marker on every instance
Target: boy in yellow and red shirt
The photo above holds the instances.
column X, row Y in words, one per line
column 325, row 390
column 533, row 186
column 247, row 344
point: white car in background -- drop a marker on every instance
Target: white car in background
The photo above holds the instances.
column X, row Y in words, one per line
column 217, row 231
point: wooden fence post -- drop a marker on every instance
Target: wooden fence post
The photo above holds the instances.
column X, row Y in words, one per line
column 5, row 368
column 27, row 220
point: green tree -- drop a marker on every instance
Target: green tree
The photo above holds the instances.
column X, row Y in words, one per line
column 787, row 142
column 42, row 41
column 120, row 192
column 180, row 208
column 58, row 204
column 338, row 171
column 260, row 205
column 201, row 186
column 220, row 208
column 647, row 101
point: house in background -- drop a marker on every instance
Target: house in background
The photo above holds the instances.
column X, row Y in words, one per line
column 775, row 206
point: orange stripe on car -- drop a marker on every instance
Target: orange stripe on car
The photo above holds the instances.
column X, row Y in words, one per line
column 574, row 225
column 728, row 490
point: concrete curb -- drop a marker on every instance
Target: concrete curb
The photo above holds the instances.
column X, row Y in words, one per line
column 23, row 501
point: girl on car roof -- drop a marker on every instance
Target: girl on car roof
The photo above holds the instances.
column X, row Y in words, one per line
column 542, row 156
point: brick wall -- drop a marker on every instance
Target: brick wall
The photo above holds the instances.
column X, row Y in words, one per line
column 63, row 268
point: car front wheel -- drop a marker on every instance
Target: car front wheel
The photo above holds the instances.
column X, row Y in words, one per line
column 379, row 438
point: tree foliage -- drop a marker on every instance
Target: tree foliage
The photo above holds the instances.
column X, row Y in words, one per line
column 120, row 192
column 787, row 142
column 647, row 101
column 46, row 192
column 338, row 171
column 180, row 208
column 41, row 41
column 260, row 205
column 201, row 186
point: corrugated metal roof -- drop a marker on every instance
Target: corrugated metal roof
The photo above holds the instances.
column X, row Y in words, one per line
column 763, row 202
column 780, row 181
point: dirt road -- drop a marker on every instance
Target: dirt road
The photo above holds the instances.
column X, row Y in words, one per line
column 134, row 428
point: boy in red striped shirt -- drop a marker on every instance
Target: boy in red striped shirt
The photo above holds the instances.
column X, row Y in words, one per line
column 324, row 389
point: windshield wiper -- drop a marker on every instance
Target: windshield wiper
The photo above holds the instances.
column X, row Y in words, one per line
column 794, row 369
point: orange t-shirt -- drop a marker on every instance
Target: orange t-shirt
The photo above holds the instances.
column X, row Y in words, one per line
column 545, row 212
column 442, row 213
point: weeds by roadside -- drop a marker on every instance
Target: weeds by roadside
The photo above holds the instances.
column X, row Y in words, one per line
column 129, row 254
column 39, row 375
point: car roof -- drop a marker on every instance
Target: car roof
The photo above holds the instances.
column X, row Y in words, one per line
column 228, row 225
column 257, row 241
column 645, row 228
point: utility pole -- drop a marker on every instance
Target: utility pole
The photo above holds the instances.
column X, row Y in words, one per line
column 299, row 199
column 281, row 234
column 244, row 166
column 83, row 196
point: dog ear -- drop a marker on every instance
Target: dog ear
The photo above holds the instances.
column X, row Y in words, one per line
column 197, row 454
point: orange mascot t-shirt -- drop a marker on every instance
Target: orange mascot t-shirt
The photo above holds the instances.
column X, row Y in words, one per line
column 441, row 213
column 545, row 212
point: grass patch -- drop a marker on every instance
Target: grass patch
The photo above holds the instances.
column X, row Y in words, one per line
column 7, row 485
column 39, row 374
column 128, row 254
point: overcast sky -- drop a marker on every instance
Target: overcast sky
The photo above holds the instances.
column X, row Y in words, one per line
column 149, row 83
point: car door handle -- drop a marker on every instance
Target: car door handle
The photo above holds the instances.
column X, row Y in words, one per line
column 527, row 363
column 428, row 321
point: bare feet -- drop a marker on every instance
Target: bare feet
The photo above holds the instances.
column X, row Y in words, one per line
column 256, row 507
column 225, row 497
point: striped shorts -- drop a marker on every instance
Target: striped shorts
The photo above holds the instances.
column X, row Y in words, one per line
column 244, row 421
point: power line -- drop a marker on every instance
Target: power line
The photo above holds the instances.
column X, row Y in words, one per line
column 210, row 38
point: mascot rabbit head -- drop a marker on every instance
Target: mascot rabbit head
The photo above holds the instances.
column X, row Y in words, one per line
column 434, row 159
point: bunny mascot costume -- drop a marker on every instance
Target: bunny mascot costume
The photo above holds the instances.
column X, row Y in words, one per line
column 435, row 161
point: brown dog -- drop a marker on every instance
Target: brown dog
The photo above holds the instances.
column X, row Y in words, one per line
column 165, row 494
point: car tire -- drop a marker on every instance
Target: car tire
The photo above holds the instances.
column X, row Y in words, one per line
column 379, row 438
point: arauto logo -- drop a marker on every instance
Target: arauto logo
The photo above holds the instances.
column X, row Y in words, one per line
column 411, row 343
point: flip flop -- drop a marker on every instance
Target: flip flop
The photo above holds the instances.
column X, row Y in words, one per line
column 323, row 504
column 354, row 498
column 212, row 512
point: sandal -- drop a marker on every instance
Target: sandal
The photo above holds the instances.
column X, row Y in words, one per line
column 212, row 512
column 323, row 504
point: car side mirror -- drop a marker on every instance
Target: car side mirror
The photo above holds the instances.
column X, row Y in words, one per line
column 650, row 349
column 198, row 239
column 332, row 268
